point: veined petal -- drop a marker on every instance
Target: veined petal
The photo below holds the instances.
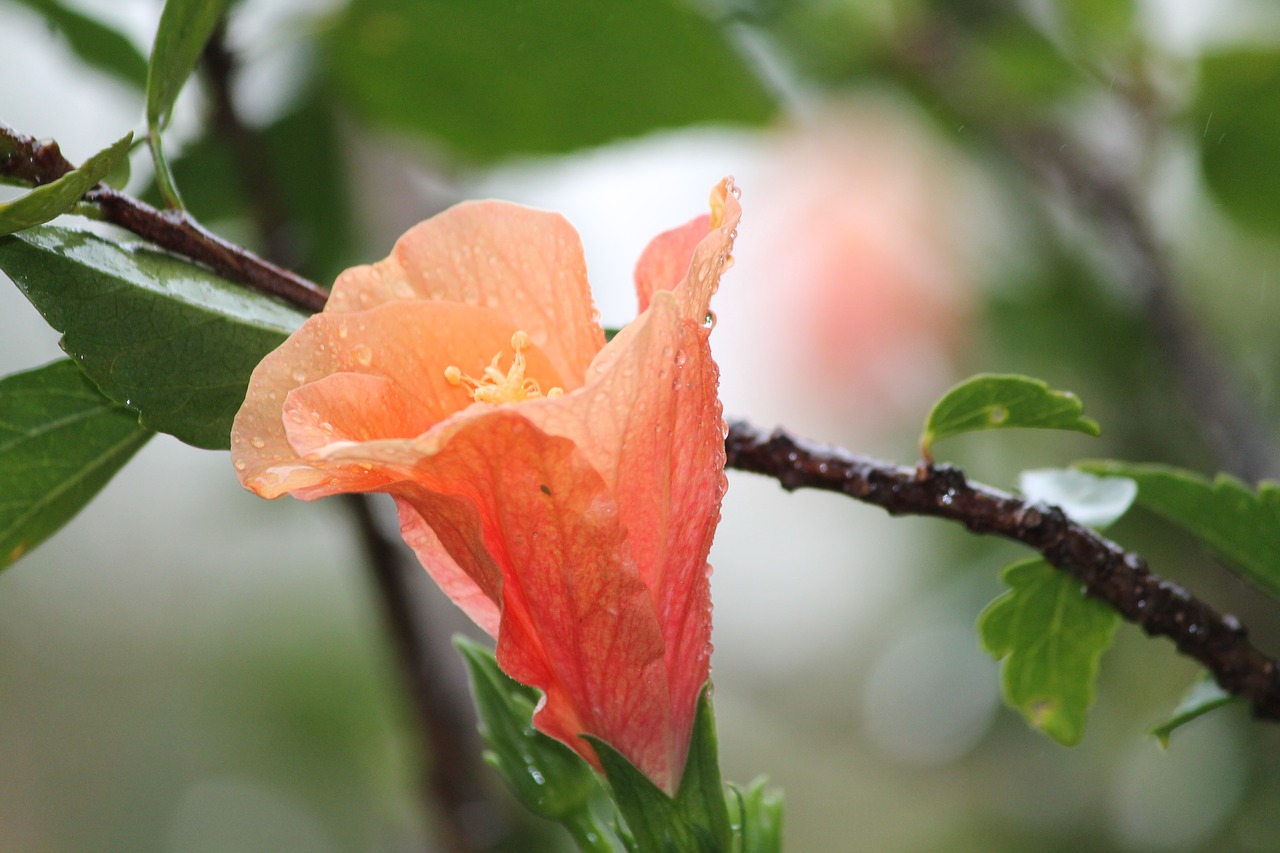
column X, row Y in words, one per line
column 525, row 264
column 527, row 517
column 665, row 261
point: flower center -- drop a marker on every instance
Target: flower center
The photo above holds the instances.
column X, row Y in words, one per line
column 495, row 387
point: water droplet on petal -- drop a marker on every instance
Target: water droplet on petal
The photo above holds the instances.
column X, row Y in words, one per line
column 241, row 465
column 257, row 442
column 363, row 354
column 299, row 375
column 342, row 330
column 709, row 321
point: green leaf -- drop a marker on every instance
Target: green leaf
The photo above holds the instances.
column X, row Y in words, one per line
column 54, row 199
column 155, row 333
column 1242, row 526
column 1094, row 501
column 60, row 442
column 994, row 401
column 93, row 41
column 493, row 78
column 698, row 817
column 1236, row 122
column 757, row 820
column 1204, row 696
column 185, row 28
column 550, row 779
column 653, row 819
column 1051, row 639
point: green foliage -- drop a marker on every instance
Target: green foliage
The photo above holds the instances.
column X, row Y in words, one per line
column 54, row 199
column 994, row 401
column 547, row 777
column 185, row 28
column 757, row 819
column 1236, row 121
column 167, row 338
column 1204, row 696
column 1240, row 525
column 1051, row 639
column 60, row 442
column 93, row 41
column 492, row 78
column 697, row 819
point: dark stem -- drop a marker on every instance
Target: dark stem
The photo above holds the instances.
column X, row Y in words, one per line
column 39, row 163
column 1110, row 574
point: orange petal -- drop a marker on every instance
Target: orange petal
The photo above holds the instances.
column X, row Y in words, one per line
column 650, row 423
column 504, row 498
column 525, row 264
column 415, row 342
column 665, row 261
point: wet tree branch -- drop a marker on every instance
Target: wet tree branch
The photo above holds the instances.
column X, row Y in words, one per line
column 1110, row 574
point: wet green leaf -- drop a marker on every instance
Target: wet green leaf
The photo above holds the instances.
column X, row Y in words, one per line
column 51, row 200
column 1204, row 696
column 492, row 78
column 60, row 442
column 546, row 776
column 757, row 819
column 995, row 401
column 1051, row 639
column 155, row 333
column 1242, row 526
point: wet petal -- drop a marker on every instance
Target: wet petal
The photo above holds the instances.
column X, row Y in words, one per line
column 525, row 264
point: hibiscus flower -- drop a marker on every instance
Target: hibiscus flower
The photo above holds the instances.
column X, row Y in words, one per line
column 563, row 491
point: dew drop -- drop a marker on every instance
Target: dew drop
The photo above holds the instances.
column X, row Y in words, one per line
column 999, row 414
column 257, row 442
column 299, row 375
column 709, row 321
column 342, row 330
column 737, row 193
column 241, row 465
column 363, row 354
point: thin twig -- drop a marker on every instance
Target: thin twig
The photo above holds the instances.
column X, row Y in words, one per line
column 39, row 163
column 1109, row 573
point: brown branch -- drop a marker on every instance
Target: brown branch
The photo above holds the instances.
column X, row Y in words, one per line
column 1109, row 573
column 39, row 163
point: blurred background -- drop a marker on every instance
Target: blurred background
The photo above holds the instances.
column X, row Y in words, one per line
column 1086, row 191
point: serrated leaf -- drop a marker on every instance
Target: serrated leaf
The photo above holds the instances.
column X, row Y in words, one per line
column 996, row 401
column 1203, row 697
column 492, row 78
column 169, row 339
column 1051, row 639
column 1097, row 502
column 51, row 200
column 1240, row 525
column 96, row 43
column 546, row 776
column 1236, row 122
column 185, row 28
column 60, row 442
